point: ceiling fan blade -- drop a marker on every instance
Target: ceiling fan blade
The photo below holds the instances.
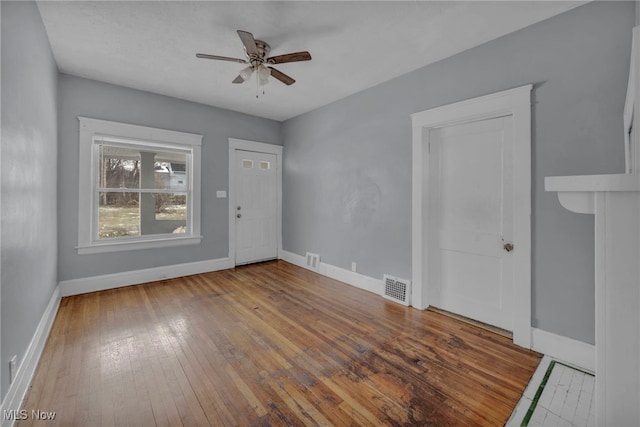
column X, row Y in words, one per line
column 220, row 58
column 249, row 42
column 238, row 79
column 290, row 57
column 281, row 76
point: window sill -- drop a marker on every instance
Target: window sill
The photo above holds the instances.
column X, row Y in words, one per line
column 138, row 244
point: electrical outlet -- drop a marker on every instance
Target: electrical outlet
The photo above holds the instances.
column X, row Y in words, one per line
column 354, row 266
column 13, row 367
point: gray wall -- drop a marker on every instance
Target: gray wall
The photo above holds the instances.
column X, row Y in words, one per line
column 347, row 166
column 89, row 98
column 29, row 162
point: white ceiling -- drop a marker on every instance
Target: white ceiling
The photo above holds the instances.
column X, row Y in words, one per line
column 355, row 45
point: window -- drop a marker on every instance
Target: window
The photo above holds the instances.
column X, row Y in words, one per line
column 139, row 187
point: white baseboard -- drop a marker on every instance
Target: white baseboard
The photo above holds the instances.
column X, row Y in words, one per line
column 26, row 369
column 568, row 350
column 292, row 258
column 135, row 277
column 349, row 277
column 352, row 278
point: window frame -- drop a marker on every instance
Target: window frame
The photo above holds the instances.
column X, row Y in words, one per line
column 91, row 131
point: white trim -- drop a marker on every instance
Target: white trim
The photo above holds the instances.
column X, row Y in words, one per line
column 567, row 350
column 136, row 244
column 631, row 152
column 87, row 217
column 343, row 275
column 142, row 133
column 591, row 183
column 602, row 244
column 258, row 147
column 18, row 388
column 577, row 193
column 135, row 277
column 628, row 110
column 294, row 259
column 635, row 88
column 354, row 279
column 517, row 103
column 2, row 371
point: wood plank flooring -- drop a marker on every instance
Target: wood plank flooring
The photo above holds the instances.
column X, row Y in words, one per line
column 269, row 344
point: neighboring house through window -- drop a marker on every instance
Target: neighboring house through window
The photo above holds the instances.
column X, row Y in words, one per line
column 139, row 187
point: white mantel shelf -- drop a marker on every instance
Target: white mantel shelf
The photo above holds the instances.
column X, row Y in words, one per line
column 619, row 182
column 576, row 193
column 614, row 200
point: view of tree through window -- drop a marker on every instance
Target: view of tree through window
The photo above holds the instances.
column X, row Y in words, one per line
column 141, row 192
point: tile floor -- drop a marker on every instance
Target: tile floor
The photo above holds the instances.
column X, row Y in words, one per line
column 565, row 398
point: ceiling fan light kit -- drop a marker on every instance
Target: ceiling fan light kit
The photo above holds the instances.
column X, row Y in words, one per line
column 246, row 73
column 263, row 75
column 257, row 52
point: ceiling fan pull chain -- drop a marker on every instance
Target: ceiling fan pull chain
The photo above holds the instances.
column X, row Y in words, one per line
column 257, row 85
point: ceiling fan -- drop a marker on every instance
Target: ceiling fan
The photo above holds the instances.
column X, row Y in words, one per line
column 257, row 52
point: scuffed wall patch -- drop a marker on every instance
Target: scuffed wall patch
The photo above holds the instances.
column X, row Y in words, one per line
column 360, row 199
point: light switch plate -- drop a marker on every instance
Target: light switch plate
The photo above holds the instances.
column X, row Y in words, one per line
column 221, row 194
column 13, row 368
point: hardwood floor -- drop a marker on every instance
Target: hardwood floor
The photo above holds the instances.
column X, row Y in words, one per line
column 269, row 344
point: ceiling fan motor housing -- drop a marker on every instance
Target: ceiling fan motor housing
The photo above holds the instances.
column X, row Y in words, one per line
column 263, row 49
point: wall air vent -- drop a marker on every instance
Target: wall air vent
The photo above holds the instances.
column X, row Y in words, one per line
column 313, row 261
column 397, row 290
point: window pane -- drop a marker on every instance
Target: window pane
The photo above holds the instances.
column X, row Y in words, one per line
column 131, row 214
column 132, row 167
column 118, row 215
column 171, row 213
column 172, row 173
column 119, row 167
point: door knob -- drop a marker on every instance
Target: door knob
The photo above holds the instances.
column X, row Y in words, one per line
column 239, row 216
column 508, row 247
column 238, row 208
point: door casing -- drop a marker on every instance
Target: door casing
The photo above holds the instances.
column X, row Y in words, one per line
column 258, row 147
column 516, row 103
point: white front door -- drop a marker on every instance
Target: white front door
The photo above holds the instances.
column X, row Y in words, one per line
column 471, row 209
column 256, row 207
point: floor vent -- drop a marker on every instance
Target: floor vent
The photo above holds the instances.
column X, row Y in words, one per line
column 398, row 290
column 313, row 261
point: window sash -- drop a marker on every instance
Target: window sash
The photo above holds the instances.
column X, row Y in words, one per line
column 159, row 148
column 142, row 190
column 139, row 146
